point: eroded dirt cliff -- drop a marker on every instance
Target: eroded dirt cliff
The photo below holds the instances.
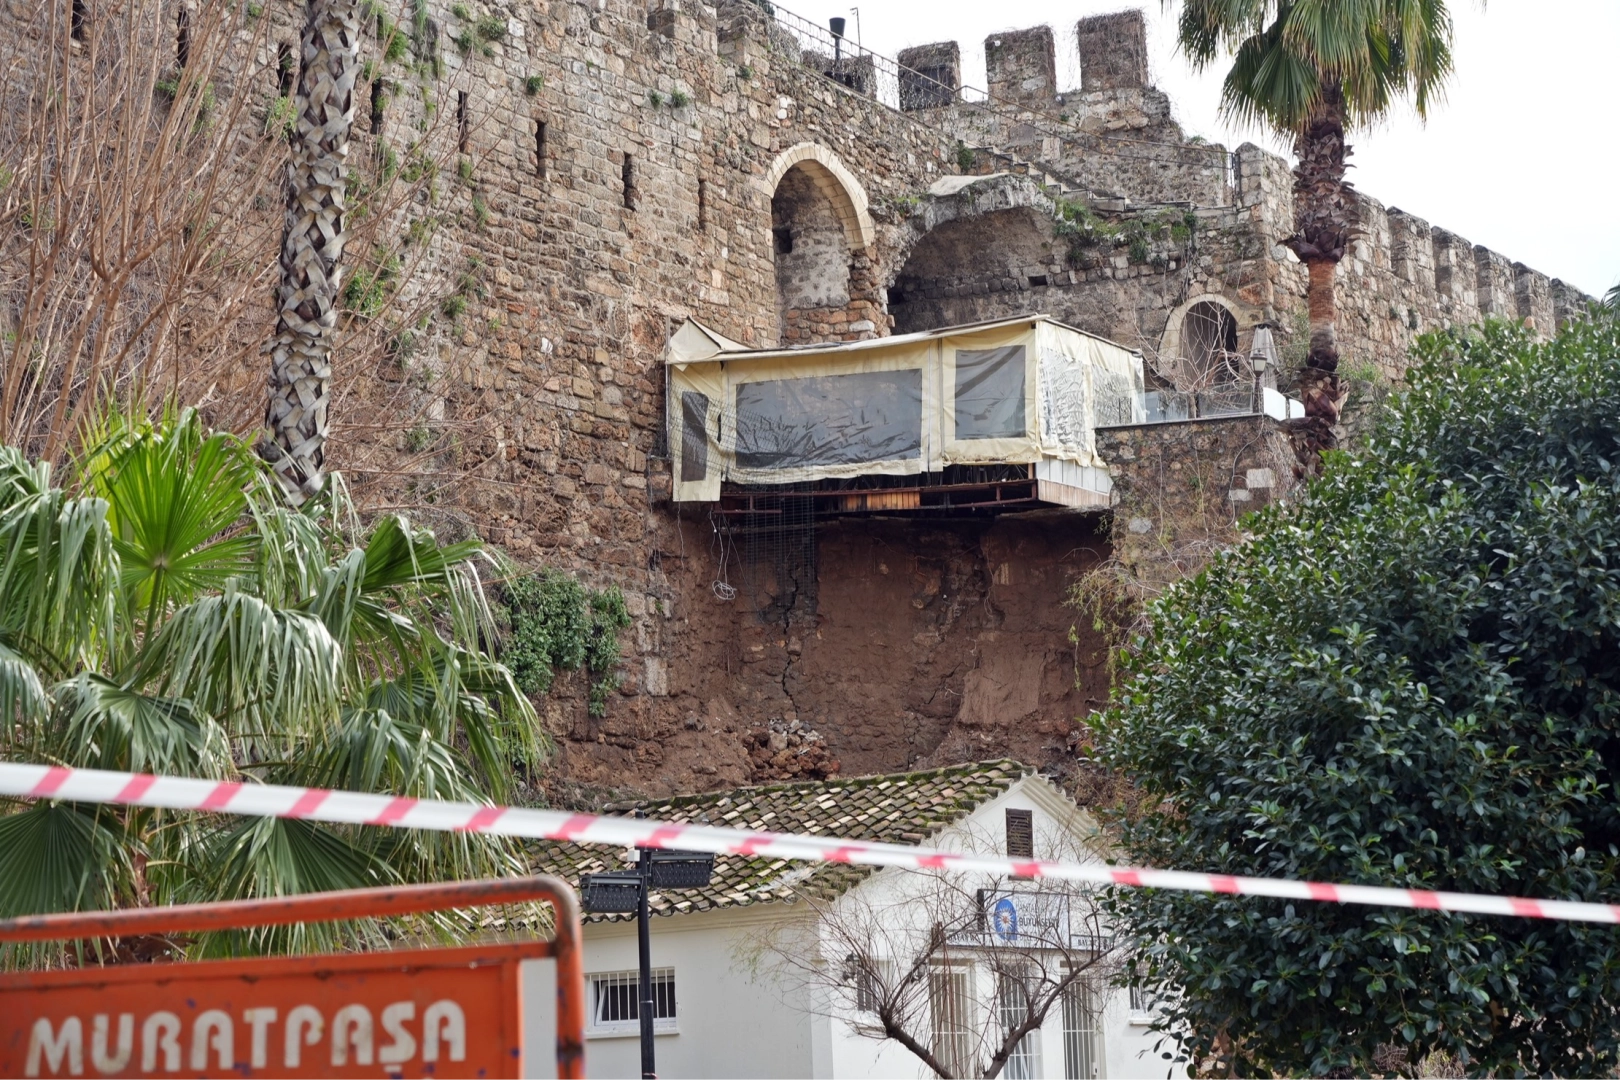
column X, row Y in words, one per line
column 885, row 644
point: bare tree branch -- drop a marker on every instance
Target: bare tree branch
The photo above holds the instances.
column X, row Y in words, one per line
column 918, row 958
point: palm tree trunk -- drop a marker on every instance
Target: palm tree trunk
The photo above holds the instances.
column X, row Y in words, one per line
column 1324, row 218
column 311, row 246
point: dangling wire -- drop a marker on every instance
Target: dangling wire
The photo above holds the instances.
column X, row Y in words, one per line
column 723, row 590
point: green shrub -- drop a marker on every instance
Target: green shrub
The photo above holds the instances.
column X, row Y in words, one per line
column 556, row 624
column 398, row 47
column 1081, row 228
column 371, row 284
column 282, row 118
column 1409, row 679
column 419, row 438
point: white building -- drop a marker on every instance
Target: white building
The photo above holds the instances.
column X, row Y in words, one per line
column 756, row 975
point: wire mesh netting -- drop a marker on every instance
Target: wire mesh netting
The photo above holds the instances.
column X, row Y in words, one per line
column 776, row 545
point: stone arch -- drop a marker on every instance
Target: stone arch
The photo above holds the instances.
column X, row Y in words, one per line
column 822, row 250
column 1173, row 343
column 987, row 264
column 837, row 183
column 810, row 254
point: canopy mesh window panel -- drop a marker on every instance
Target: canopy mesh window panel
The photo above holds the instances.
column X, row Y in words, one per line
column 1115, row 401
column 990, row 393
column 694, row 436
column 829, row 419
column 1065, row 401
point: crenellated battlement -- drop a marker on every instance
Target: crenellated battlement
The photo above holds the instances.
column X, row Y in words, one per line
column 1113, row 51
column 1021, row 68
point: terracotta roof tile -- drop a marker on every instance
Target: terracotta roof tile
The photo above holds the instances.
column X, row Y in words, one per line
column 901, row 808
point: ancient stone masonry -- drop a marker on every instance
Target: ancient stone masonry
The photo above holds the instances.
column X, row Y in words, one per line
column 1181, row 490
column 1181, row 222
column 1114, row 137
column 1115, row 52
column 597, row 171
column 930, row 75
column 1021, row 67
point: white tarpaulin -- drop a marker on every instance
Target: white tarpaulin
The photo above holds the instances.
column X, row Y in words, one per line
column 1019, row 391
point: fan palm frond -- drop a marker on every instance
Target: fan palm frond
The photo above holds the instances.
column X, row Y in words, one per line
column 61, row 857
column 22, row 693
column 254, row 667
column 177, row 495
column 58, row 566
column 106, row 726
column 1286, row 51
column 176, row 617
column 257, row 858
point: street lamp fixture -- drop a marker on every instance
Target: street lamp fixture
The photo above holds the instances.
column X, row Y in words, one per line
column 616, row 892
column 681, row 869
column 1263, row 353
column 624, row 891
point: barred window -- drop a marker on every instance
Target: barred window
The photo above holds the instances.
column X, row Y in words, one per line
column 868, row 978
column 1082, row 1031
column 616, row 1001
column 1012, row 1001
column 950, row 1003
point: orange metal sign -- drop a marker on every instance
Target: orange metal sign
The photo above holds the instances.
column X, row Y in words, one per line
column 433, row 1012
column 448, row 1012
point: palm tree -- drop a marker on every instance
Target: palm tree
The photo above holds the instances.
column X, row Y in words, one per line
column 171, row 614
column 311, row 246
column 1310, row 69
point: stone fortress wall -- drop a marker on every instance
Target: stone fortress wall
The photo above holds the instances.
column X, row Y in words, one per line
column 1114, row 141
column 609, row 168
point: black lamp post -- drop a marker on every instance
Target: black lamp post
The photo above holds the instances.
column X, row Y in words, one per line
column 622, row 891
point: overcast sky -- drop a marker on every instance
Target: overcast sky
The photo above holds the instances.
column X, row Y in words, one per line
column 1522, row 156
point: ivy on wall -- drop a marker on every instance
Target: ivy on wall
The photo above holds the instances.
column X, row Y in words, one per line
column 556, row 624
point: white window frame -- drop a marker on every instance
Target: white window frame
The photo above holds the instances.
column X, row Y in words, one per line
column 865, row 991
column 958, row 1022
column 1012, row 1006
column 1143, row 1007
column 597, row 1028
column 1084, row 1033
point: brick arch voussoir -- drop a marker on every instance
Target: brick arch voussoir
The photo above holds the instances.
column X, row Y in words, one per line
column 1170, row 338
column 833, row 180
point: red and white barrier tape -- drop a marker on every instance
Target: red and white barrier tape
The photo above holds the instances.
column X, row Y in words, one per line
column 354, row 808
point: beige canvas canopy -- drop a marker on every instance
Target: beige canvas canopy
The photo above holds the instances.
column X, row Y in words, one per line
column 1018, row 391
